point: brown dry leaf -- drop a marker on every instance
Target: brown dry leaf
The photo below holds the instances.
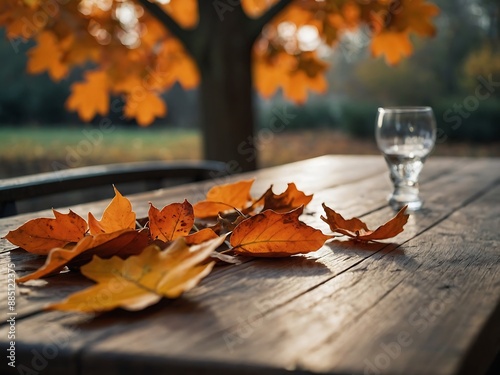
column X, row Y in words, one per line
column 117, row 216
column 271, row 234
column 39, row 236
column 229, row 222
column 416, row 17
column 173, row 221
column 290, row 199
column 358, row 230
column 226, row 197
column 142, row 280
column 122, row 243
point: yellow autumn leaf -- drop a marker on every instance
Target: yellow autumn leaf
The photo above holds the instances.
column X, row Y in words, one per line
column 117, row 216
column 142, row 280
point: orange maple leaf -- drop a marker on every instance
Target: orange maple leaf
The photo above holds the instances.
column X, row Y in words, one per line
column 185, row 12
column 47, row 56
column 271, row 234
column 416, row 17
column 224, row 198
column 394, row 45
column 255, row 8
column 117, row 216
column 173, row 221
column 90, row 98
column 201, row 236
column 39, row 236
column 145, row 107
column 270, row 74
column 142, row 280
column 358, row 230
column 122, row 243
column 290, row 199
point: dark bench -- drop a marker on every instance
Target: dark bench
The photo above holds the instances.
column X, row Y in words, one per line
column 13, row 190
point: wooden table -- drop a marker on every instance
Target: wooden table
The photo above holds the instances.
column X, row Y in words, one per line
column 428, row 303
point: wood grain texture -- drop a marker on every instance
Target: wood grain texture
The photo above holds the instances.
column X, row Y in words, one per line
column 339, row 195
column 336, row 311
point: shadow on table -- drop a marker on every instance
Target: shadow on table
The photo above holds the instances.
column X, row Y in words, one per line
column 391, row 251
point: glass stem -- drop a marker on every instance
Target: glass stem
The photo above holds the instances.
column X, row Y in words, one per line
column 404, row 176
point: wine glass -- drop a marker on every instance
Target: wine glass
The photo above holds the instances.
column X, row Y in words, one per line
column 405, row 135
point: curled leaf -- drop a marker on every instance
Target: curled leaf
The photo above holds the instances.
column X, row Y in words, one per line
column 39, row 236
column 141, row 280
column 224, row 198
column 272, row 234
column 122, row 243
column 201, row 236
column 358, row 230
column 290, row 199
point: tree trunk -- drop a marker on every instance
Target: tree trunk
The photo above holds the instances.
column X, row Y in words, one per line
column 223, row 55
column 221, row 45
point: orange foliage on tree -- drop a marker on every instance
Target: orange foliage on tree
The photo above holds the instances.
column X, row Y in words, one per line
column 138, row 49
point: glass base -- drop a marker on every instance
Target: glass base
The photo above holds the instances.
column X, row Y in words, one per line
column 413, row 205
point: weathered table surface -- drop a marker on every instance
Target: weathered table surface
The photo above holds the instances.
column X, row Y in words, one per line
column 427, row 303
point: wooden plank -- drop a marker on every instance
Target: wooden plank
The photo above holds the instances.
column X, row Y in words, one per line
column 173, row 318
column 341, row 196
column 53, row 291
column 442, row 291
column 330, row 315
column 252, row 309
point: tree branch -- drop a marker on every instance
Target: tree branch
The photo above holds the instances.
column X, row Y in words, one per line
column 185, row 36
column 256, row 25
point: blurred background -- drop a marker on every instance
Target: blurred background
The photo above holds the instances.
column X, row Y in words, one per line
column 457, row 73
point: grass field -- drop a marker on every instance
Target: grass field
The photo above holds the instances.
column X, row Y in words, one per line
column 32, row 150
